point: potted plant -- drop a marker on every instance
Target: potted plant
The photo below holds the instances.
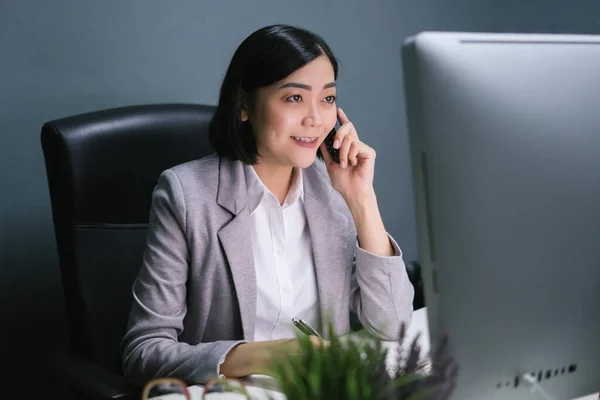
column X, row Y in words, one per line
column 357, row 369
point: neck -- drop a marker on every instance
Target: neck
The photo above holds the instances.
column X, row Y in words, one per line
column 277, row 179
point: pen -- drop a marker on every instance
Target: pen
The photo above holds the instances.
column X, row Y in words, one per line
column 305, row 328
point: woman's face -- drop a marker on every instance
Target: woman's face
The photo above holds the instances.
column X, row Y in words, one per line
column 292, row 117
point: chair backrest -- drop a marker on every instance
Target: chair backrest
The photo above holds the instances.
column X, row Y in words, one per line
column 102, row 168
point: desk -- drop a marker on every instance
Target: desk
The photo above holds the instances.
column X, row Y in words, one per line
column 262, row 387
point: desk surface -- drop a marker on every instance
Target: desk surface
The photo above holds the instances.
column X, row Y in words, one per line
column 262, row 387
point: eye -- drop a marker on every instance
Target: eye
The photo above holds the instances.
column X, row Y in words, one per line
column 330, row 99
column 294, row 99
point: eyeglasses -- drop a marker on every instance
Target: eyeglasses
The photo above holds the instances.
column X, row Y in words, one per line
column 225, row 385
column 166, row 388
column 176, row 389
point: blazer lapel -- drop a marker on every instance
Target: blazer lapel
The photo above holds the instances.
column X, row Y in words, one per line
column 330, row 256
column 235, row 240
column 324, row 223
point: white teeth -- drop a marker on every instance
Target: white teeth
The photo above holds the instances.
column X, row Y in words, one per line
column 307, row 140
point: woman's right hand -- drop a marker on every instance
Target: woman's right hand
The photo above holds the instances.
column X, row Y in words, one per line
column 255, row 358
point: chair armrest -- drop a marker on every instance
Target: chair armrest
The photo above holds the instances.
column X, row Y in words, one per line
column 413, row 269
column 95, row 381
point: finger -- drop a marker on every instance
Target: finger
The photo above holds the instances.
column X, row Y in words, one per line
column 319, row 342
column 315, row 340
column 345, row 130
column 342, row 115
column 353, row 153
column 326, row 156
column 364, row 151
column 345, row 121
column 344, row 150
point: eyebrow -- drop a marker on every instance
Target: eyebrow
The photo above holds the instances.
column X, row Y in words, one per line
column 305, row 87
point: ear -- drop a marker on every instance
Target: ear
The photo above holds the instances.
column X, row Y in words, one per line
column 244, row 114
column 244, row 111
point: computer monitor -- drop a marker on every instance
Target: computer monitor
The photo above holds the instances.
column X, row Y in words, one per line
column 505, row 146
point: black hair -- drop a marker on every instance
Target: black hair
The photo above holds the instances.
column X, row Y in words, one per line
column 265, row 57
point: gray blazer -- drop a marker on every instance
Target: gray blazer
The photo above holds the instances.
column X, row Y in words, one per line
column 195, row 295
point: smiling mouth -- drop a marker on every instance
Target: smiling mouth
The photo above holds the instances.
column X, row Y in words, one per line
column 305, row 139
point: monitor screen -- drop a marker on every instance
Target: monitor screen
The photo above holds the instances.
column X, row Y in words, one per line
column 505, row 146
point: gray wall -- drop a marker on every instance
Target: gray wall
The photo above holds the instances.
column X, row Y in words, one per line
column 65, row 57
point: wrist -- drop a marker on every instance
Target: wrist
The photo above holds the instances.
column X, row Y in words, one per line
column 371, row 234
column 255, row 357
column 361, row 204
column 244, row 359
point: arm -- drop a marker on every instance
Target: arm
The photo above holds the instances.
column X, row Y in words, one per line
column 381, row 293
column 150, row 347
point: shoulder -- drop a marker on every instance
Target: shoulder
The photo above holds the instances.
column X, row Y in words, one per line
column 193, row 180
column 199, row 174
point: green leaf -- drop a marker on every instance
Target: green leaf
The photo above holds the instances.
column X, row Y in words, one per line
column 403, row 380
column 314, row 375
column 351, row 385
column 422, row 395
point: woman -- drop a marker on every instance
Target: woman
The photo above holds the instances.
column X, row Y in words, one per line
column 261, row 232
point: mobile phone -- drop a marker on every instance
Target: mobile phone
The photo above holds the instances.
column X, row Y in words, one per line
column 305, row 328
column 334, row 153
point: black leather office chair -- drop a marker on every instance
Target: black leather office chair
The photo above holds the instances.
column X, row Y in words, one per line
column 102, row 168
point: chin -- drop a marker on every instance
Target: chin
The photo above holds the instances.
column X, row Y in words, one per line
column 304, row 162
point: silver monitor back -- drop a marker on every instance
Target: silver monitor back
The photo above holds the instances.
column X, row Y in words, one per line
column 505, row 147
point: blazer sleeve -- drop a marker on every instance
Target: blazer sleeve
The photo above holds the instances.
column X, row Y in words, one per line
column 150, row 348
column 381, row 293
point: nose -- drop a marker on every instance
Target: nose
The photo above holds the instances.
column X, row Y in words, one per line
column 313, row 118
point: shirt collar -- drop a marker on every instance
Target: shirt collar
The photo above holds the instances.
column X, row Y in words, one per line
column 257, row 191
